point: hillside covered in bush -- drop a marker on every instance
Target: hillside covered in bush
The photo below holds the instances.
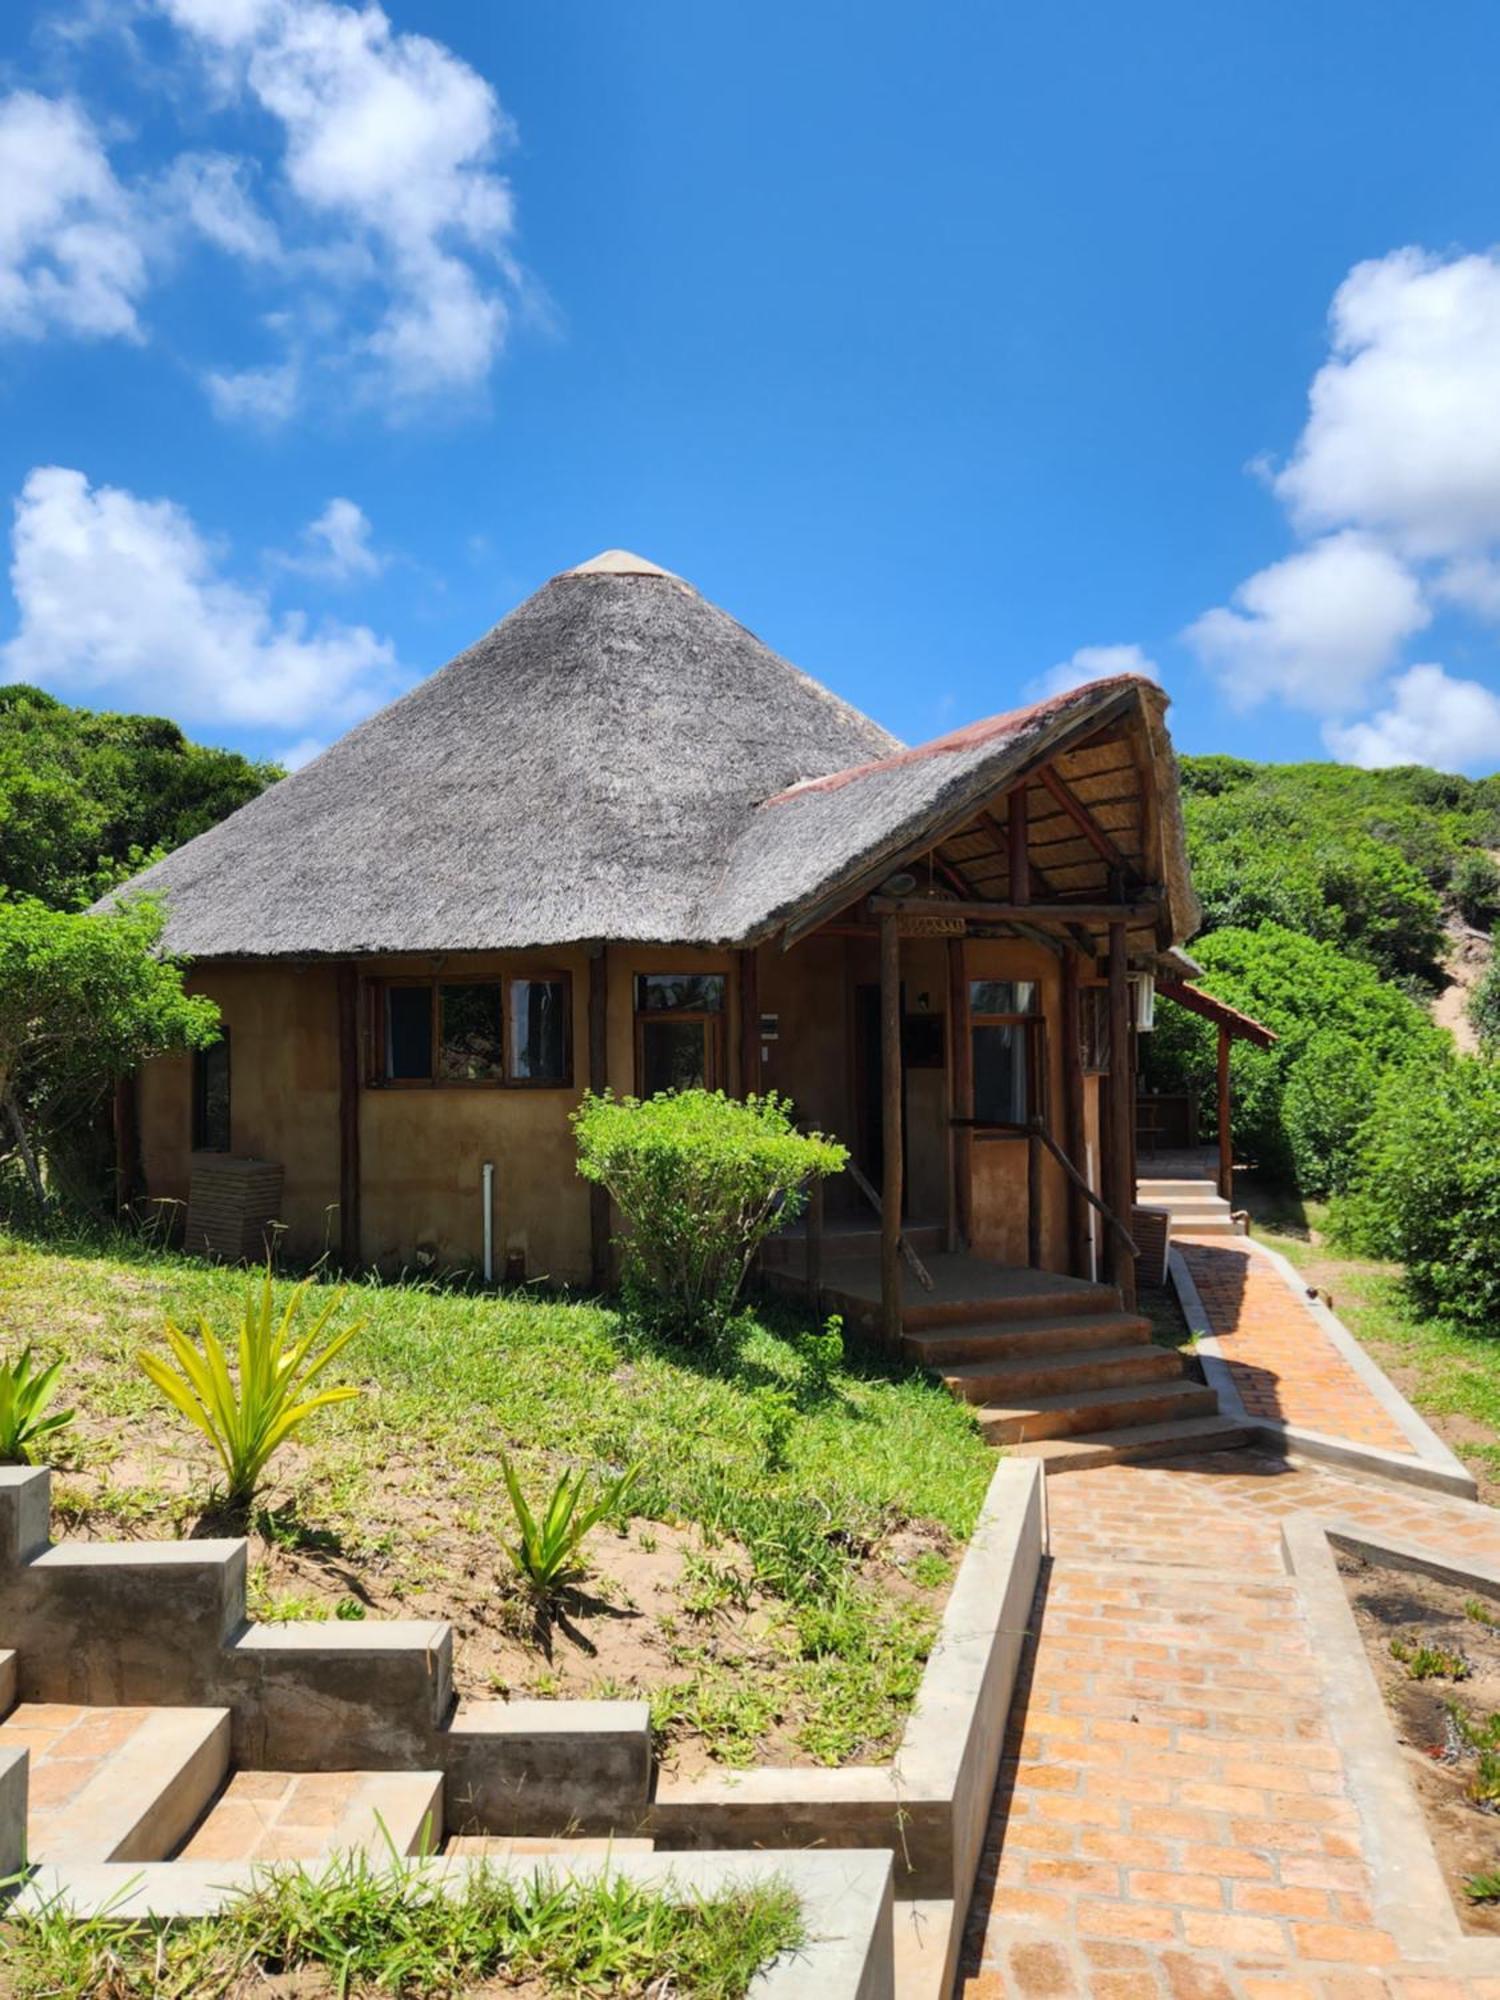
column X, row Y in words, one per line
column 1334, row 900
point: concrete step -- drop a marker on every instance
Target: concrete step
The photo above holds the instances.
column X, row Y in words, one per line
column 1059, row 1376
column 1161, row 1194
column 1206, row 1225
column 1188, row 1436
column 921, row 1310
column 513, row 1847
column 116, row 1784
column 1092, row 1410
column 1011, row 1339
column 313, row 1815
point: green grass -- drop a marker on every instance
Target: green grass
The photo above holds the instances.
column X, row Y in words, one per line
column 1445, row 1372
column 379, row 1931
column 790, row 1474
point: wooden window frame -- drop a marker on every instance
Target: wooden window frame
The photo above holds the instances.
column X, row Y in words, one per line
column 1034, row 1025
column 1093, row 1000
column 199, row 1106
column 711, row 1021
column 375, row 1076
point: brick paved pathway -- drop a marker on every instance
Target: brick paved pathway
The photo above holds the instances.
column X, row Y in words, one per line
column 1172, row 1821
column 1283, row 1363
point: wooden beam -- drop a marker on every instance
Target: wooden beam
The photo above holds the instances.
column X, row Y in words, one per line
column 749, row 1003
column 1138, row 912
column 598, row 1081
column 1084, row 820
column 349, row 1085
column 1226, row 1133
column 1119, row 1190
column 1017, row 848
column 1072, row 1110
column 890, row 1101
column 961, row 1096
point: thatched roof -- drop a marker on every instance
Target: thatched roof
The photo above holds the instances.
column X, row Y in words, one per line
column 617, row 759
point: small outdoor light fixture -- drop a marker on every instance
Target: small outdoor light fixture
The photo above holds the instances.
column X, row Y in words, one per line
column 1143, row 1001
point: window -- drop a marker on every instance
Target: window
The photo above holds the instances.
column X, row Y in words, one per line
column 1003, row 1022
column 473, row 1031
column 679, row 1023
column 211, row 1096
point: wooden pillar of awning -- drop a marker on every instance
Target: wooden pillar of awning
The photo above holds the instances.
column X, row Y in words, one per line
column 1226, row 1134
column 1119, row 1164
column 891, row 1135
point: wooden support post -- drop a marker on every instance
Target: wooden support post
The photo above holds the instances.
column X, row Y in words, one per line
column 127, row 1143
column 1019, row 847
column 1226, row 1132
column 598, row 1081
column 1072, row 1108
column 1119, row 1189
column 960, row 1096
column 890, row 1106
column 749, row 1003
column 349, row 1083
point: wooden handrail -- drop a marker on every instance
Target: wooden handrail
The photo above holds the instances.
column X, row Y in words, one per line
column 919, row 1269
column 1039, row 1130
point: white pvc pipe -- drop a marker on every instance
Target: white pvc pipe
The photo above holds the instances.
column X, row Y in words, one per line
column 487, row 1180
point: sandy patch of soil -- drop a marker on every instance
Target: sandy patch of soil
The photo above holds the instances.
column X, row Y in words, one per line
column 1434, row 1717
column 1466, row 962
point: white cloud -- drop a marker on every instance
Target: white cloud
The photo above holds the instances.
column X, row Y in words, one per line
column 390, row 142
column 1316, row 629
column 336, row 546
column 72, row 255
column 1431, row 718
column 1403, row 432
column 295, row 755
column 208, row 193
column 121, row 599
column 1093, row 663
column 255, row 395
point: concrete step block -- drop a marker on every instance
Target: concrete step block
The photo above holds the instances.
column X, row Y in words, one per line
column 549, row 1767
column 116, row 1784
column 311, row 1816
column 1061, row 1375
column 503, row 1847
column 1137, row 1442
column 8, row 1681
column 376, row 1690
column 1011, row 1339
column 1095, row 1410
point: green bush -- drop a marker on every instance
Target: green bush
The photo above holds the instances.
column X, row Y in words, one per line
column 1484, row 1009
column 701, row 1179
column 1427, row 1189
column 1298, row 1105
column 1476, row 889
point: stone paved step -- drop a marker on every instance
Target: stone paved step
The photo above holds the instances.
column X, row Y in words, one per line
column 1011, row 1339
column 1060, row 1376
column 116, row 1784
column 514, row 1847
column 1134, row 1442
column 312, row 1815
column 1092, row 1410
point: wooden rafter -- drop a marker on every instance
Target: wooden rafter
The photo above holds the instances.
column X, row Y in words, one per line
column 1084, row 820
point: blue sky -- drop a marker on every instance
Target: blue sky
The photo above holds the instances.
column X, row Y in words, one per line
column 958, row 350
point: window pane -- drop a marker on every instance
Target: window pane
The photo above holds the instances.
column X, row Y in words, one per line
column 470, row 1016
column 680, row 992
column 538, row 1030
column 1002, row 996
column 408, row 1031
column 211, row 1097
column 1000, row 1076
column 672, row 1055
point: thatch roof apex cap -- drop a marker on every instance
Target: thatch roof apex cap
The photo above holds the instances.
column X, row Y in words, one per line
column 620, row 562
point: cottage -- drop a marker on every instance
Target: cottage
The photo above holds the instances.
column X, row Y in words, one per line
column 620, row 842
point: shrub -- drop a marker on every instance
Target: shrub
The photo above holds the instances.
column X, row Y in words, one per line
column 24, row 1395
column 1427, row 1188
column 1476, row 889
column 701, row 1179
column 1484, row 1009
column 247, row 1419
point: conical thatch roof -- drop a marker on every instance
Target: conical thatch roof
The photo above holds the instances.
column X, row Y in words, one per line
column 617, row 759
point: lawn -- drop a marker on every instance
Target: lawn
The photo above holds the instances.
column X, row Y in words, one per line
column 796, row 1521
column 1451, row 1376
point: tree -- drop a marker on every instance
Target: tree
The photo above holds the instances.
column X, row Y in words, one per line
column 86, row 799
column 83, row 1000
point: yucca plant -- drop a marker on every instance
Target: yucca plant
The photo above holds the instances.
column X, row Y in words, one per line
column 23, row 1397
column 546, row 1552
column 246, row 1416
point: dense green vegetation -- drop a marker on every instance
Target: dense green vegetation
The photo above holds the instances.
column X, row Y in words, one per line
column 86, row 799
column 1327, row 893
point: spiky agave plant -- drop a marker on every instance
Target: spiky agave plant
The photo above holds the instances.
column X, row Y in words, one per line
column 248, row 1415
column 24, row 1394
column 547, row 1549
